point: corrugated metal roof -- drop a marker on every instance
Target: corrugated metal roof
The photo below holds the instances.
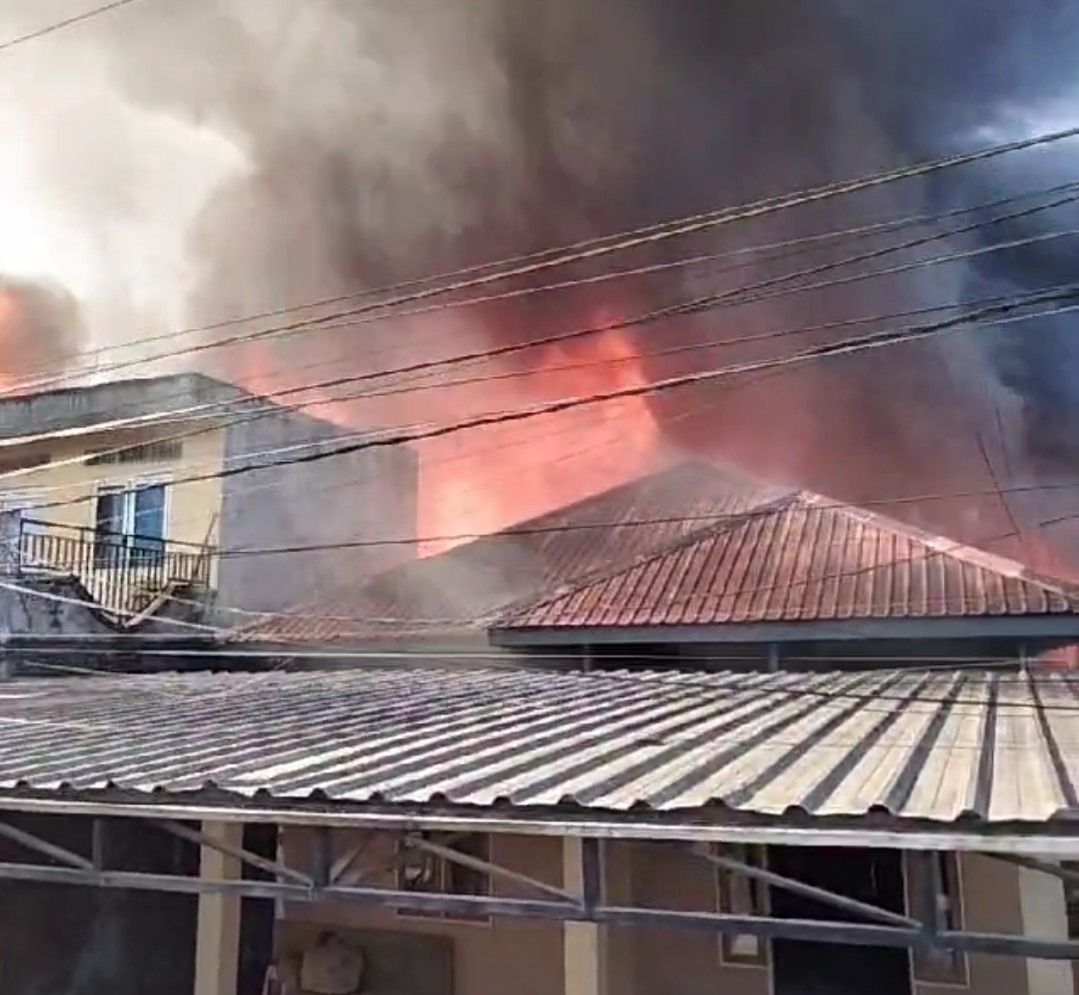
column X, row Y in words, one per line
column 920, row 746
column 802, row 559
column 473, row 582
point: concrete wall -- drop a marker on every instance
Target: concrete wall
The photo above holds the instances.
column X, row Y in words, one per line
column 357, row 496
column 672, row 961
column 488, row 958
column 45, row 631
column 76, row 408
column 990, row 905
column 527, row 957
column 349, row 498
column 64, row 488
column 688, row 962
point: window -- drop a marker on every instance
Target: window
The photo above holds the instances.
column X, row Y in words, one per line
column 740, row 895
column 935, row 966
column 129, row 526
column 161, row 451
column 423, row 871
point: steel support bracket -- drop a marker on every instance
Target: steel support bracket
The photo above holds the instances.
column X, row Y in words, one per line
column 842, row 902
column 237, row 853
column 449, row 854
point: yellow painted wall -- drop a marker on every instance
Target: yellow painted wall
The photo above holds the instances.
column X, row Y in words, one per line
column 192, row 506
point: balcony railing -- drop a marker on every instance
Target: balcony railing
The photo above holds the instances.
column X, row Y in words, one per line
column 123, row 573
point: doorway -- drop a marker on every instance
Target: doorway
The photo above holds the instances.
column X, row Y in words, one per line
column 872, row 876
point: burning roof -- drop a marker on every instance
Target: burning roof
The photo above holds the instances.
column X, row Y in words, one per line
column 693, row 545
column 802, row 559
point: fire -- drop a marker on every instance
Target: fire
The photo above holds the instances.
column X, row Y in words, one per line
column 10, row 320
column 480, row 480
column 483, row 480
column 40, row 332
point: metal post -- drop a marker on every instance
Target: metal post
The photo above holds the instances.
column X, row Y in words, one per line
column 584, row 947
column 97, row 844
column 929, row 899
column 323, row 863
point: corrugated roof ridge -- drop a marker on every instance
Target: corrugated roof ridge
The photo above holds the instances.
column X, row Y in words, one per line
column 943, row 546
column 603, row 574
column 720, row 470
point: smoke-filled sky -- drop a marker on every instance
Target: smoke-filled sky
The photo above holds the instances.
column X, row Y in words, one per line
column 181, row 162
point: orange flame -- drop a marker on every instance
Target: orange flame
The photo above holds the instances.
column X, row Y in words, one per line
column 480, row 480
column 10, row 318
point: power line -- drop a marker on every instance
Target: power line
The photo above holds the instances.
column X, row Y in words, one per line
column 687, row 226
column 690, row 308
column 1051, row 585
column 993, row 315
column 424, row 624
column 68, row 22
column 718, row 518
column 794, row 247
column 697, row 305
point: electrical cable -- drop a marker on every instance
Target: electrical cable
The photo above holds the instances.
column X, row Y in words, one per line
column 797, row 245
column 506, row 611
column 953, row 547
column 691, row 225
column 516, row 531
column 67, row 22
column 994, row 315
column 690, row 307
column 895, row 223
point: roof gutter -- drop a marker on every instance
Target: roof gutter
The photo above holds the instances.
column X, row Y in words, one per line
column 1060, row 629
column 1040, row 841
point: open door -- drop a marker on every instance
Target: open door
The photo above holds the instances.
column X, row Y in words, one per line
column 871, row 876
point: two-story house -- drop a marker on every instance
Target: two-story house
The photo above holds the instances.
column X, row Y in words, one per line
column 162, row 505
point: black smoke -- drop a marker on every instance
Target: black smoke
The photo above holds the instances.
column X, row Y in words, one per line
column 388, row 139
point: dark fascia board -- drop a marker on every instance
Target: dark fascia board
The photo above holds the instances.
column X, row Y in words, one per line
column 1062, row 629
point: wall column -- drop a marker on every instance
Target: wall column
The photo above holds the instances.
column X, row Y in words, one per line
column 217, row 952
column 1045, row 915
column 584, row 943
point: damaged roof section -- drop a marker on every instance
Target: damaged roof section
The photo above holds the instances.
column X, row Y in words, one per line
column 468, row 586
column 991, row 749
column 802, row 559
column 694, row 552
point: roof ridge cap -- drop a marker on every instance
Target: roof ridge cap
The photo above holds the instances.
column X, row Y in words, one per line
column 611, row 570
column 943, row 546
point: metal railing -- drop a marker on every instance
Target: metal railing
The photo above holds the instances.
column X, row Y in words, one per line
column 123, row 573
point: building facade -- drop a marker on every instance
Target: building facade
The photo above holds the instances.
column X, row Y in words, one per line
column 168, row 504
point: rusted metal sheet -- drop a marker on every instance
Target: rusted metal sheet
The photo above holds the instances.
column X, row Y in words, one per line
column 803, row 559
column 466, row 586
